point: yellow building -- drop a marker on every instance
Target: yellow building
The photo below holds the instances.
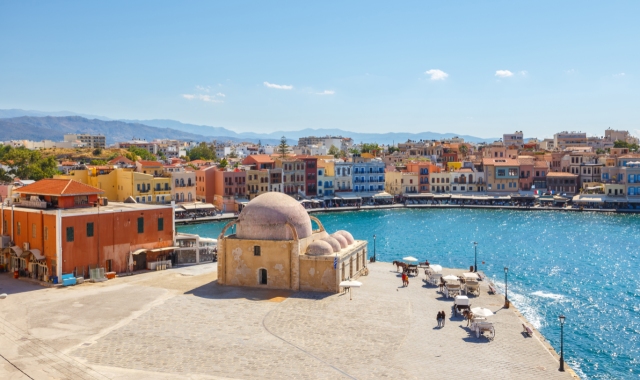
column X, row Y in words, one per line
column 257, row 182
column 399, row 183
column 119, row 184
column 453, row 166
column 276, row 247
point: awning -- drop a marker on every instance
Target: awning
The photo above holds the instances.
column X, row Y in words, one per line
column 383, row 195
column 162, row 249
column 15, row 250
column 348, row 196
column 422, row 195
column 36, row 254
column 589, row 198
column 441, row 196
column 197, row 206
column 630, row 200
column 139, row 251
column 241, row 201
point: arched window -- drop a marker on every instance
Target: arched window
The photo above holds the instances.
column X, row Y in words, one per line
column 262, row 276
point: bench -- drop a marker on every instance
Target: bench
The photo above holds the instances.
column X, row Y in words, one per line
column 68, row 279
column 527, row 330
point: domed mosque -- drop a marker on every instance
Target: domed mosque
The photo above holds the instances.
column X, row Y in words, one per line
column 275, row 246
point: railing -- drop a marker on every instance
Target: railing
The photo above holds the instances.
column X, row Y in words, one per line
column 33, row 204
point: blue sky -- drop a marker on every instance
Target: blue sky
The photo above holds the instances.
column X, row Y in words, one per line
column 479, row 68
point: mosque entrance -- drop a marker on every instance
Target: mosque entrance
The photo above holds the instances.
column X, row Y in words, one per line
column 262, row 276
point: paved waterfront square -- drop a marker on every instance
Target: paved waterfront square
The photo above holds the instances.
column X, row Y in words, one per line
column 180, row 323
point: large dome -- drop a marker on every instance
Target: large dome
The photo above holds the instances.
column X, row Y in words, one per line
column 265, row 216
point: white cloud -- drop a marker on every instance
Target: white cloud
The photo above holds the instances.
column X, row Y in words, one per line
column 524, row 73
column 203, row 97
column 436, row 74
column 188, row 96
column 278, row 86
column 326, row 92
column 619, row 75
column 504, row 73
column 203, row 89
column 221, row 95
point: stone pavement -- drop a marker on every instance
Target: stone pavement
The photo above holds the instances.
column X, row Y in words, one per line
column 180, row 324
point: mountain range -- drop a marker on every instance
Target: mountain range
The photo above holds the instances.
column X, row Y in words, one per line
column 39, row 125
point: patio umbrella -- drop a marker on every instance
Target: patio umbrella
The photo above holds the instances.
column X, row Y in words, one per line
column 350, row 284
column 3, row 296
column 436, row 268
column 409, row 258
column 450, row 277
column 481, row 312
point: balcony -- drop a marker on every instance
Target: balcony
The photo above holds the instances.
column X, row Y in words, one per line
column 31, row 204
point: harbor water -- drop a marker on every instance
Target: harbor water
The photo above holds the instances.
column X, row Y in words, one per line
column 583, row 265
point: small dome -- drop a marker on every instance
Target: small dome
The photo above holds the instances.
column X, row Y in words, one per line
column 340, row 239
column 264, row 218
column 319, row 248
column 346, row 235
column 333, row 242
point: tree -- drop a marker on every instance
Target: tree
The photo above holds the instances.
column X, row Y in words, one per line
column 4, row 176
column 354, row 151
column 600, row 151
column 202, row 152
column 98, row 162
column 370, row 148
column 223, row 163
column 30, row 164
column 334, row 151
column 282, row 148
column 233, row 153
column 392, row 149
column 97, row 152
column 464, row 150
column 135, row 152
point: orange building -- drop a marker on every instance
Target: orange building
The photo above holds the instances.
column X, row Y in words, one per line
column 423, row 169
column 228, row 186
column 205, row 179
column 61, row 226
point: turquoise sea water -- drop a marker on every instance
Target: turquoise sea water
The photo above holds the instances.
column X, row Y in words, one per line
column 583, row 265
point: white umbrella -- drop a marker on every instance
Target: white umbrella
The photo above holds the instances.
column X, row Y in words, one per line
column 409, row 258
column 3, row 296
column 350, row 284
column 436, row 268
column 481, row 312
column 450, row 277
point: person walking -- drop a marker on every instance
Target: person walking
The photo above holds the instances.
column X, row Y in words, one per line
column 444, row 316
column 404, row 279
column 439, row 319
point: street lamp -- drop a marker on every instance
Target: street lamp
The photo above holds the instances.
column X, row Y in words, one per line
column 374, row 248
column 561, row 318
column 475, row 248
column 506, row 289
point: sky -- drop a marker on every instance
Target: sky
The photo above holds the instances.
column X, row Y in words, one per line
column 466, row 67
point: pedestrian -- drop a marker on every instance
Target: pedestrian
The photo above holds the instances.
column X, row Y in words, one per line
column 439, row 319
column 404, row 279
column 444, row 316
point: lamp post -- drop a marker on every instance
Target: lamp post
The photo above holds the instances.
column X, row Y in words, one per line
column 374, row 248
column 506, row 289
column 561, row 318
column 475, row 249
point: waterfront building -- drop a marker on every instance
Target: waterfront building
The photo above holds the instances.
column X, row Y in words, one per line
column 401, row 183
column 440, row 182
column 183, row 183
column 61, row 226
column 566, row 139
column 540, row 171
column 516, row 138
column 562, row 183
column 276, row 247
column 310, row 175
column 257, row 182
column 275, row 180
column 626, row 173
column 326, row 178
column 368, row 174
column 92, row 141
column 293, row 175
column 466, row 180
column 205, row 180
column 343, row 176
column 228, row 186
column 423, row 168
column 501, row 174
column 527, row 164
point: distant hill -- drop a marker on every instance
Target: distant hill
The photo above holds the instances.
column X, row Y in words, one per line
column 42, row 126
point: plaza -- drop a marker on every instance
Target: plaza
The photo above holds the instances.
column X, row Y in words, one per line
column 179, row 323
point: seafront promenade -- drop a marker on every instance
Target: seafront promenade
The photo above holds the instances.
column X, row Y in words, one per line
column 180, row 323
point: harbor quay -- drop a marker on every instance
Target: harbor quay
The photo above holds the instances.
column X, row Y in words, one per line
column 179, row 323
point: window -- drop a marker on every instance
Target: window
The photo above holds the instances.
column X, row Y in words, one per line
column 160, row 224
column 70, row 234
column 33, row 230
column 501, row 172
column 90, row 229
column 140, row 225
column 19, row 228
column 256, row 250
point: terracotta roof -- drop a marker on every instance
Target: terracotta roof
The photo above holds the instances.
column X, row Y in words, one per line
column 198, row 162
column 464, row 170
column 59, row 187
column 525, row 160
column 260, row 158
column 149, row 163
column 121, row 159
column 541, row 164
column 561, row 174
column 68, row 163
